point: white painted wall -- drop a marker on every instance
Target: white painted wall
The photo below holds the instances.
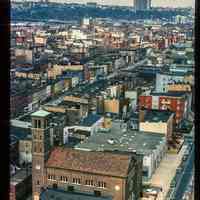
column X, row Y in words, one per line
column 149, row 161
column 23, row 157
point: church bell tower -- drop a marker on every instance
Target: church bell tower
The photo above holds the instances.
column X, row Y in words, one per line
column 40, row 149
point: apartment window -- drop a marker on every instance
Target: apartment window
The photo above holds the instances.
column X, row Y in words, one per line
column 35, row 149
column 70, row 188
column 101, row 184
column 51, row 177
column 77, row 181
column 145, row 173
column 63, row 179
column 45, row 123
column 89, row 182
column 38, row 182
column 97, row 193
column 35, row 123
column 39, row 124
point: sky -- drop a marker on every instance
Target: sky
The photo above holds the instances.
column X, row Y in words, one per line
column 173, row 3
column 155, row 3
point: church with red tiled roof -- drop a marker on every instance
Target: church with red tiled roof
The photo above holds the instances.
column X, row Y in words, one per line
column 67, row 173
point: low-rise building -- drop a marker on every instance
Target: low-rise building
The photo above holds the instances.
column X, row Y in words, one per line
column 20, row 131
column 133, row 98
column 173, row 81
column 152, row 146
column 105, row 174
column 157, row 121
column 87, row 127
column 173, row 101
column 179, row 87
column 20, row 184
column 25, row 150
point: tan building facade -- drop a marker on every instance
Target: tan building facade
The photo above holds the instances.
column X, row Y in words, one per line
column 179, row 88
column 160, row 126
column 25, row 151
column 112, row 106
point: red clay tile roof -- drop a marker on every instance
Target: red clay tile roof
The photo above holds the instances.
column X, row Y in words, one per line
column 104, row 163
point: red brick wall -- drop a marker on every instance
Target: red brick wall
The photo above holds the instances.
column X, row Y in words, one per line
column 145, row 101
column 111, row 182
column 12, row 192
column 178, row 108
column 174, row 106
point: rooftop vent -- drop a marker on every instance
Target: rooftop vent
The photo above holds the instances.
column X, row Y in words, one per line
column 110, row 141
column 156, row 118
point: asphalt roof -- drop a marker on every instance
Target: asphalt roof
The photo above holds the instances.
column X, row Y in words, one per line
column 19, row 176
column 17, row 133
column 168, row 94
column 119, row 140
column 20, row 124
column 23, row 69
column 182, row 45
column 157, row 115
column 176, row 73
column 90, row 120
column 57, row 194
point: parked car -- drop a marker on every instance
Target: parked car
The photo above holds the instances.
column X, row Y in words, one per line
column 179, row 170
column 185, row 157
column 173, row 184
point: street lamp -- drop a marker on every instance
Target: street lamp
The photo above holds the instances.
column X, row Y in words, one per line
column 117, row 188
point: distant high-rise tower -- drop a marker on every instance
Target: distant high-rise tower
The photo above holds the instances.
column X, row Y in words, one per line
column 142, row 4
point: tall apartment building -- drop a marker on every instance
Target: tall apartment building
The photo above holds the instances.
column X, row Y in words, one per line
column 65, row 171
column 142, row 4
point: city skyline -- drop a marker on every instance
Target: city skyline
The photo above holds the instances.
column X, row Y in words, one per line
column 101, row 100
column 155, row 3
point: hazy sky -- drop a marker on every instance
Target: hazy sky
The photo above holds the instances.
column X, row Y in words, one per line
column 173, row 3
column 163, row 3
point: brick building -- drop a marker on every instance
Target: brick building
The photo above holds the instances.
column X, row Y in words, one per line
column 175, row 102
column 150, row 147
column 102, row 174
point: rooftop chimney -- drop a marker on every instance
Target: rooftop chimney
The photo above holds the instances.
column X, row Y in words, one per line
column 141, row 115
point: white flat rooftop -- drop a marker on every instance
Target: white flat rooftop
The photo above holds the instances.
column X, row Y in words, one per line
column 20, row 124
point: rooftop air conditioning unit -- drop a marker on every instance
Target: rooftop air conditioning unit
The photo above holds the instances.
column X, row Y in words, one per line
column 110, row 141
